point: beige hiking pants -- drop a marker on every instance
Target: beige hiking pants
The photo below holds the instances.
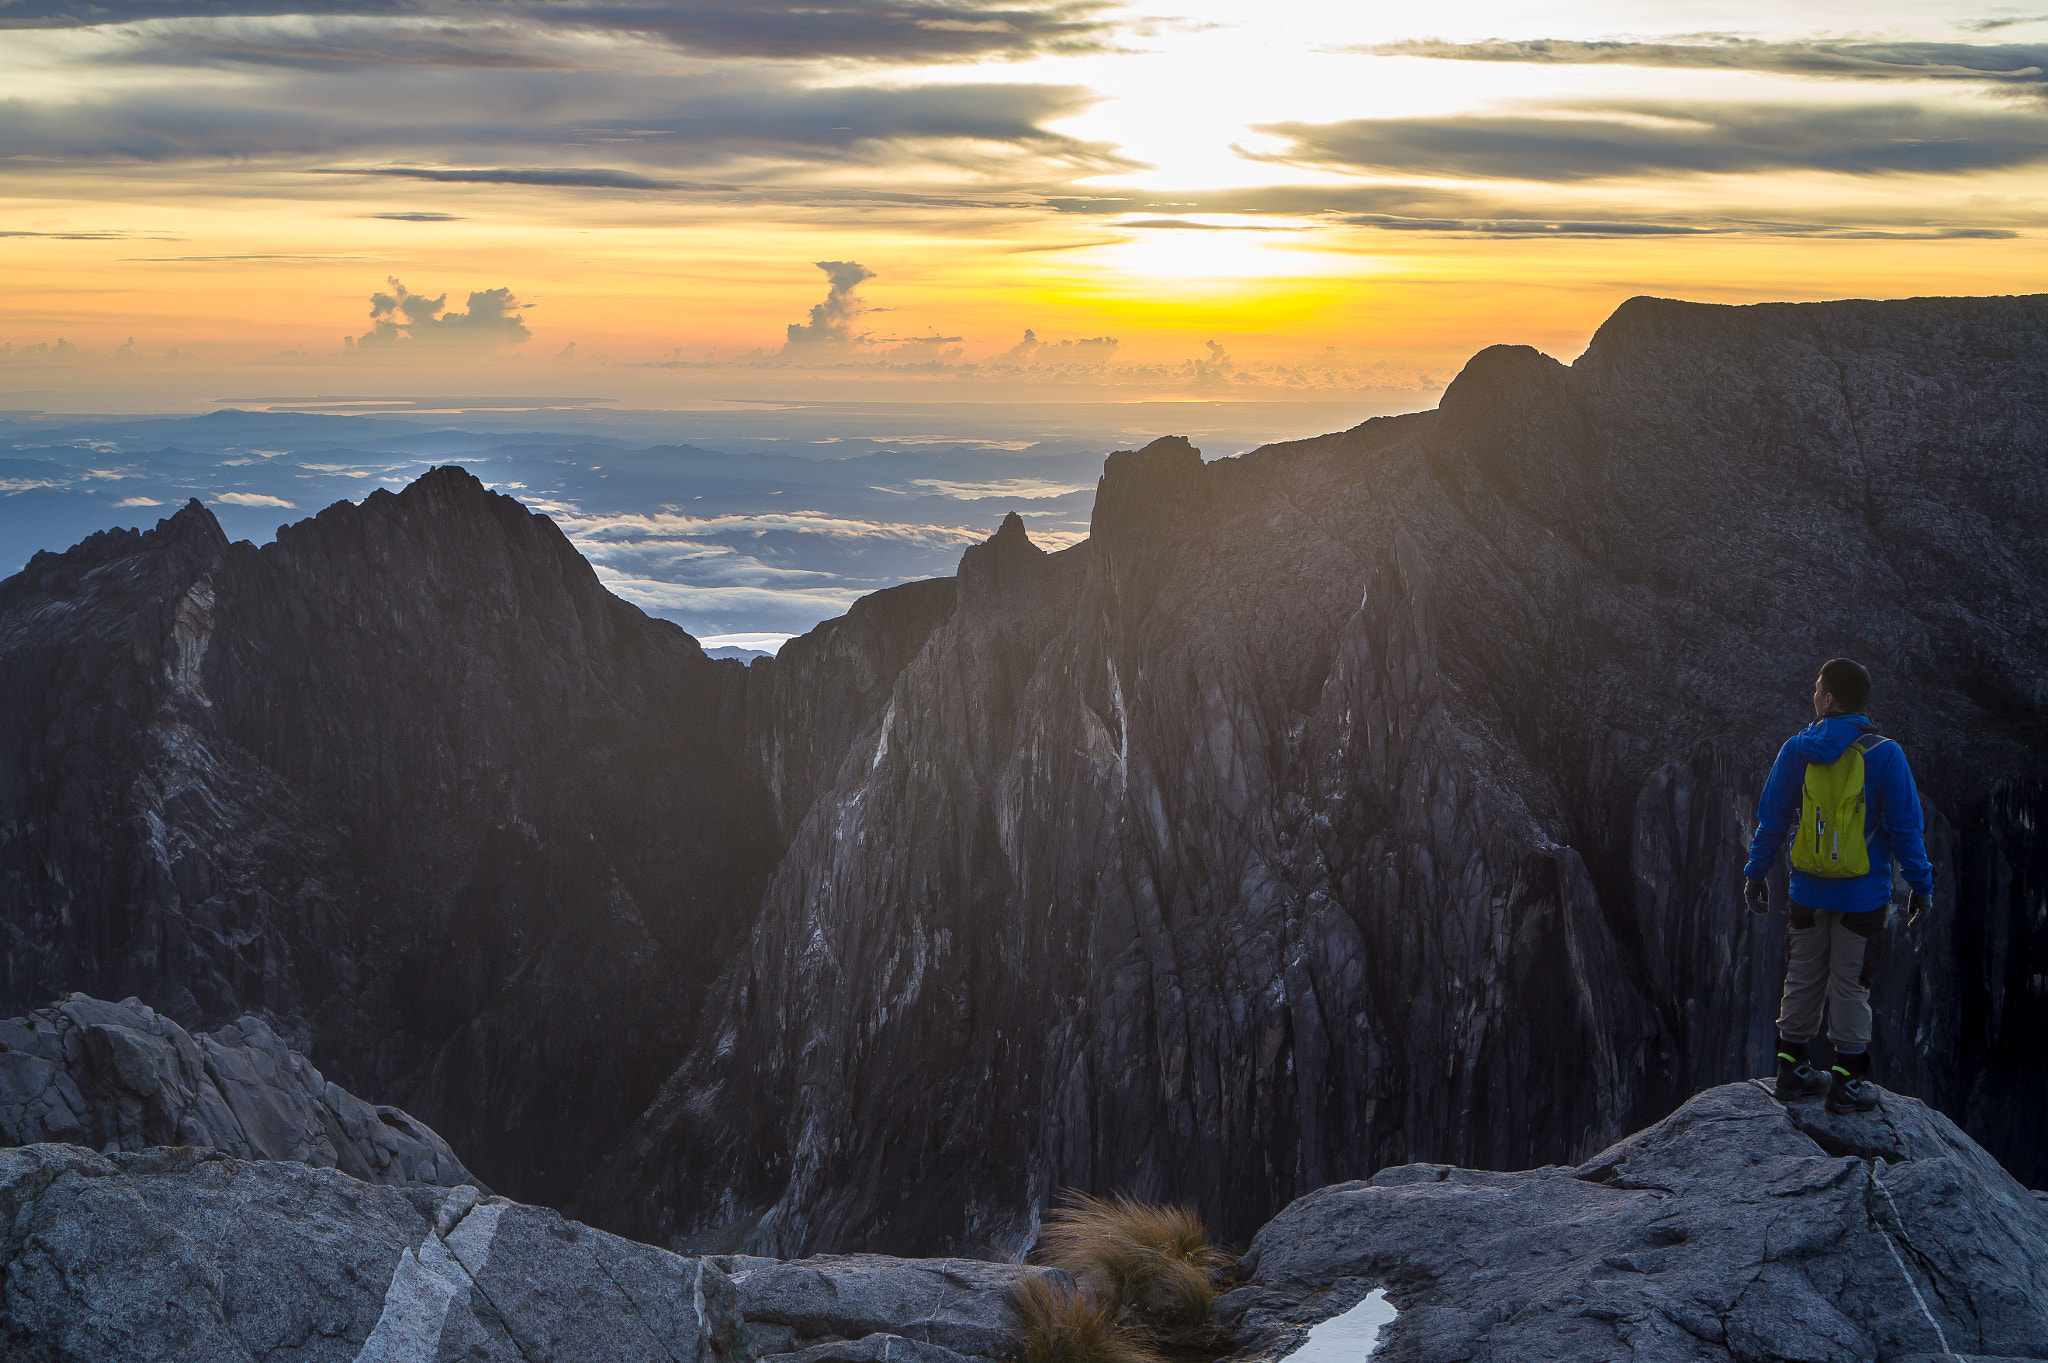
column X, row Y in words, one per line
column 1830, row 960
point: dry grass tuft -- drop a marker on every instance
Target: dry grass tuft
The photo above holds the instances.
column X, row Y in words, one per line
column 1138, row 1258
column 1070, row 1327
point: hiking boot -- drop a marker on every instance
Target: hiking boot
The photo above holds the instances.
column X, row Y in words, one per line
column 1852, row 1090
column 1796, row 1078
column 1799, row 1080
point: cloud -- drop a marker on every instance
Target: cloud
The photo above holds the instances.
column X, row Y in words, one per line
column 542, row 176
column 592, row 529
column 418, row 217
column 238, row 499
column 1992, row 25
column 2019, row 63
column 1598, row 141
column 710, row 611
column 873, row 31
column 1032, row 352
column 625, row 124
column 1409, row 207
column 1566, row 227
column 1183, row 224
column 92, row 236
column 831, row 324
column 403, row 317
column 918, row 31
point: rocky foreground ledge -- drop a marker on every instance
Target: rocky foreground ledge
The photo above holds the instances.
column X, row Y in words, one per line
column 1736, row 1228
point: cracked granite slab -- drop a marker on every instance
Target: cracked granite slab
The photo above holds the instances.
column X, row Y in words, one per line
column 1736, row 1228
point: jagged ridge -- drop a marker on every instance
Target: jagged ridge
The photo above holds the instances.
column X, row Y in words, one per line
column 1382, row 797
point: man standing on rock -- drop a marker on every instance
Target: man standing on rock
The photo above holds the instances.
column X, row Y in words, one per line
column 1844, row 796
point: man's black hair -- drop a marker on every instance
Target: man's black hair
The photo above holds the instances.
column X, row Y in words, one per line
column 1848, row 682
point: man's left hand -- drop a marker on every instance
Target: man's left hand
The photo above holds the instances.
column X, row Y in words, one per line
column 1758, row 896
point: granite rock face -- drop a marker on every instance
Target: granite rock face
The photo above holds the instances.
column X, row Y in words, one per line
column 121, row 1077
column 1736, row 1228
column 471, row 831
column 1383, row 797
column 187, row 1255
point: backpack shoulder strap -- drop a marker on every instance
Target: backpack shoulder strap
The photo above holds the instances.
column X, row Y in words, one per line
column 1869, row 741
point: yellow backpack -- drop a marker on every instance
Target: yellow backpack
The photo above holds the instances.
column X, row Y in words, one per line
column 1830, row 842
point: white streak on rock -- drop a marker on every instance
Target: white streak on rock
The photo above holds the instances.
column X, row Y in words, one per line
column 471, row 1241
column 415, row 1306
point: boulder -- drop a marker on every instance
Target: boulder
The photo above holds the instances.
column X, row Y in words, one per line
column 1736, row 1228
column 121, row 1077
column 189, row 1255
column 870, row 1308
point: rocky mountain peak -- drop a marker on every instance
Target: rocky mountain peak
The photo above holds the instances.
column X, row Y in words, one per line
column 1502, row 374
column 1139, row 488
column 1005, row 561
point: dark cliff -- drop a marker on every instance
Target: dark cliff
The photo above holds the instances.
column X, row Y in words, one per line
column 1383, row 797
column 1367, row 799
column 408, row 780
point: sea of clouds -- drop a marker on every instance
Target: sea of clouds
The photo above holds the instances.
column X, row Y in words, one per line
column 744, row 527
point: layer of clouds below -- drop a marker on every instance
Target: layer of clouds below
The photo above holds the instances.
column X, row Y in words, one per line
column 721, row 543
column 880, row 31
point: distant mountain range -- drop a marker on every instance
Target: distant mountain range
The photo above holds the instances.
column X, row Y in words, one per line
column 1366, row 799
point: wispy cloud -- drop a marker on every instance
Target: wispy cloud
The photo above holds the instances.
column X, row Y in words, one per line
column 874, row 31
column 93, row 236
column 544, row 177
column 2018, row 63
column 736, row 129
column 1615, row 139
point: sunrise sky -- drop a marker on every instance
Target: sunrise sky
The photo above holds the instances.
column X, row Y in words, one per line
column 664, row 204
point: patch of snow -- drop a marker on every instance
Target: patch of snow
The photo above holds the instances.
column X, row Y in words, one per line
column 1350, row 1337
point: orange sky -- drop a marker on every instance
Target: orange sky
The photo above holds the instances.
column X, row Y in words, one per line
column 1247, row 205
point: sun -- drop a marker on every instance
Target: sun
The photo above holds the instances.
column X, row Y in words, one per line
column 1203, row 250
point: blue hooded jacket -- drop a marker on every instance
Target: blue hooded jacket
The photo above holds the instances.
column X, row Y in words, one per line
column 1893, row 828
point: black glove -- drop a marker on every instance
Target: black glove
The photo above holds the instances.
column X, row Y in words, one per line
column 1758, row 896
column 1916, row 905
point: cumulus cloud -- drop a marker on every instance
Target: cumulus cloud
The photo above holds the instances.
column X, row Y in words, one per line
column 832, row 321
column 402, row 317
column 248, row 499
column 1031, row 351
column 1597, row 141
